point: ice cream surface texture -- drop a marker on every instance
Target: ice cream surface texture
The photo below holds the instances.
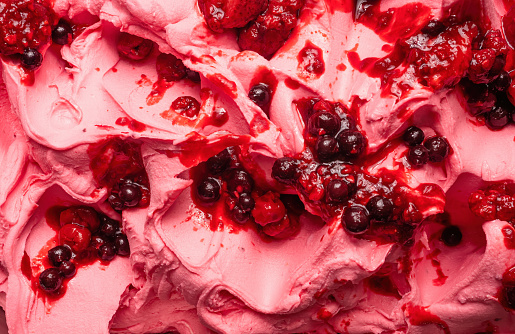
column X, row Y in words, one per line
column 257, row 166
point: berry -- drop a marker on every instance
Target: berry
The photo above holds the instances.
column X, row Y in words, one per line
column 326, row 148
column 285, row 169
column 51, row 280
column 246, row 201
column 208, row 190
column 187, row 106
column 337, row 191
column 122, row 245
column 58, row 254
column 239, row 215
column 451, row 236
column 170, row 67
column 418, row 156
column 31, row 59
column 115, row 202
column 380, row 208
column 498, row 117
column 62, row 33
column 260, row 94
column 311, row 59
column 413, row 136
column 193, row 75
column 347, row 122
column 220, row 116
column 75, row 236
column 80, row 215
column 503, row 81
column 355, row 219
column 438, row 148
column 351, row 143
column 109, row 227
column 224, row 14
column 239, row 181
column 323, row 122
column 130, row 194
column 107, row 252
column 134, row 47
column 218, row 162
column 68, row 269
column 97, row 241
column 268, row 209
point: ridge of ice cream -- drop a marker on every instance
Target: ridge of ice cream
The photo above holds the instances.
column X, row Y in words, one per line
column 257, row 167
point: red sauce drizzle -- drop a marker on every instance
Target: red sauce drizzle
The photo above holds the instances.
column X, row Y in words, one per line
column 132, row 124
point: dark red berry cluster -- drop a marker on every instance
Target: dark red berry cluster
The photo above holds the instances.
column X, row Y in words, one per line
column 496, row 201
column 84, row 234
column 420, row 152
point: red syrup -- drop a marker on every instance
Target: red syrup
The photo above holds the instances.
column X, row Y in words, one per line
column 132, row 124
column 441, row 277
column 420, row 316
column 311, row 61
column 226, row 85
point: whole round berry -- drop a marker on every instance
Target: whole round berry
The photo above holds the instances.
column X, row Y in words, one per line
column 62, row 33
column 109, row 227
column 337, row 191
column 239, row 181
column 115, row 202
column 209, row 190
column 351, row 143
column 438, row 148
column 355, row 219
column 218, row 162
column 130, row 194
column 260, row 94
column 347, row 122
column 451, row 236
column 323, row 122
column 68, row 269
column 246, row 201
column 326, row 148
column 285, row 169
column 418, row 156
column 413, row 136
column 122, row 245
column 170, row 68
column 498, row 117
column 239, row 215
column 51, row 280
column 380, row 208
column 503, row 81
column 187, row 106
column 58, row 254
column 107, row 252
column 31, row 59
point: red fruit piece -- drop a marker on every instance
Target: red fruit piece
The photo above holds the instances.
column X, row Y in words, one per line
column 483, row 205
column 508, row 278
column 134, row 47
column 75, row 236
column 272, row 28
column 25, row 24
column 311, row 60
column 223, row 14
column 80, row 215
column 170, row 67
column 268, row 209
column 480, row 65
column 187, row 106
column 494, row 40
column 281, row 229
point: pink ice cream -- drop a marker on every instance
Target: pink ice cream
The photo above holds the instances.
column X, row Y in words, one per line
column 187, row 274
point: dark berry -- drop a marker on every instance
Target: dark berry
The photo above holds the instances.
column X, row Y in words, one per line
column 220, row 116
column 418, row 156
column 239, row 181
column 502, row 82
column 451, row 236
column 170, row 67
column 246, row 202
column 115, row 202
column 509, row 296
column 187, row 106
column 326, row 148
column 97, row 241
column 239, row 215
column 433, row 28
column 59, row 254
column 351, row 143
column 51, row 280
column 31, row 59
column 347, row 122
column 413, row 136
column 380, row 208
column 293, row 203
column 68, row 269
column 193, row 75
column 209, row 190
column 285, row 169
column 134, row 47
column 355, row 219
column 438, row 148
column 109, row 227
column 497, row 118
column 107, row 252
column 218, row 162
column 122, row 245
column 130, row 194
column 62, row 33
column 260, row 94
column 323, row 123
column 337, row 191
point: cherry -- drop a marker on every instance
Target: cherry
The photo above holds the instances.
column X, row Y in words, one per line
column 130, row 194
column 109, row 227
column 187, row 106
column 75, row 236
column 193, row 75
column 134, row 47
column 80, row 215
column 418, row 156
column 59, row 254
column 107, row 252
column 285, row 169
column 220, row 116
column 413, row 136
column 239, row 215
column 355, row 219
column 380, row 208
column 239, row 181
column 51, row 280
column 97, row 241
column 68, row 269
column 209, row 190
column 323, row 123
column 326, row 148
column 347, row 122
column 498, row 117
column 268, row 209
column 351, row 143
column 438, row 148
column 62, row 33
column 122, row 245
column 451, row 236
column 218, row 162
column 31, row 59
column 337, row 191
column 260, row 94
column 170, row 68
column 503, row 81
column 115, row 202
column 246, row 201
